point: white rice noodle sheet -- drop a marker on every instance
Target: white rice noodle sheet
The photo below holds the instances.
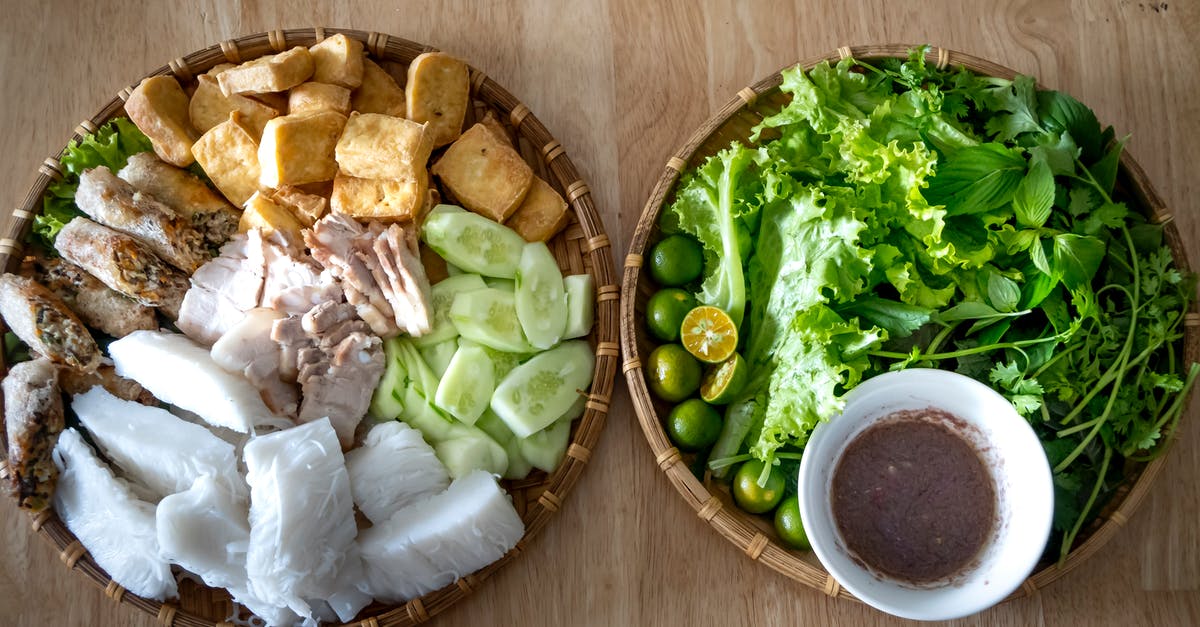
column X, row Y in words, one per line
column 116, row 528
column 429, row 545
column 205, row 530
column 301, row 516
column 393, row 469
column 178, row 371
column 155, row 448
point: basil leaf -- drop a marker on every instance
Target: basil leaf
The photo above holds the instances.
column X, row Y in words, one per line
column 1061, row 112
column 977, row 179
column 1003, row 292
column 1076, row 258
column 897, row 318
column 1034, row 197
column 1105, row 170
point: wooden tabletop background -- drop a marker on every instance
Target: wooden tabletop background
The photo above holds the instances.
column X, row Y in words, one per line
column 622, row 83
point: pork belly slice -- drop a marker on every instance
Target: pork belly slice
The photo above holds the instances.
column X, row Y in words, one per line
column 295, row 283
column 209, row 213
column 123, row 263
column 116, row 204
column 224, row 289
column 94, row 302
column 247, row 348
column 44, row 323
column 33, row 418
column 409, row 294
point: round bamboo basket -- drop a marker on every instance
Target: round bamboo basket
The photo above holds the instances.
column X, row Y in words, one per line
column 582, row 247
column 754, row 535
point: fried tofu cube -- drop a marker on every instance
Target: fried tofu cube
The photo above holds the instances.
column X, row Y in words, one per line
column 263, row 213
column 378, row 93
column 377, row 146
column 438, row 92
column 541, row 215
column 338, row 60
column 307, row 208
column 273, row 72
column 299, row 148
column 158, row 106
column 210, row 107
column 379, row 199
column 228, row 152
column 312, row 96
column 277, row 100
column 218, row 68
column 484, row 173
column 496, row 127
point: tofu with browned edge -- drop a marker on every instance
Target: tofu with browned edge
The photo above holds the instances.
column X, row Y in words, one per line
column 159, row 108
column 484, row 173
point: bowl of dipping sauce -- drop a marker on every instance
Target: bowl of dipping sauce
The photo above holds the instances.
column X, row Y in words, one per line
column 928, row 497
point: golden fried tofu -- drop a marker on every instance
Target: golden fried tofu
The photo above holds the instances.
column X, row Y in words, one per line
column 228, row 152
column 218, row 68
column 159, row 108
column 263, row 213
column 277, row 100
column 273, row 72
column 377, row 146
column 541, row 215
column 299, row 148
column 313, row 96
column 438, row 92
column 308, row 208
column 338, row 60
column 496, row 127
column 484, row 173
column 379, row 199
column 210, row 106
column 378, row 93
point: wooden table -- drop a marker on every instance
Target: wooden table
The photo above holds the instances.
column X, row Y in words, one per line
column 622, row 83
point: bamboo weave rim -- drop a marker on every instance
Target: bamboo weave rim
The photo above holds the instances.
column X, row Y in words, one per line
column 744, row 531
column 583, row 247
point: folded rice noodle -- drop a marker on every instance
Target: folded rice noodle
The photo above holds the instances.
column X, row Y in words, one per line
column 116, row 528
column 178, row 371
column 447, row 536
column 155, row 448
column 205, row 530
column 393, row 469
column 350, row 595
column 301, row 516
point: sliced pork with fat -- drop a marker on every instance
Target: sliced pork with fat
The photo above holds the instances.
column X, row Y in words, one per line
column 247, row 348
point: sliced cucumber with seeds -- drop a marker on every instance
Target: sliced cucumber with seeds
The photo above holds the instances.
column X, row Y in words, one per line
column 467, row 385
column 473, row 242
column 518, row 466
column 489, row 316
column 581, row 304
column 438, row 356
column 541, row 299
column 546, row 448
column 507, row 285
column 442, row 297
column 502, row 361
column 541, row 390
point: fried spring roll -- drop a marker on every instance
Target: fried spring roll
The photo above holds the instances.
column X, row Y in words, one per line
column 116, row 204
column 209, row 212
column 96, row 305
column 45, row 323
column 124, row 264
column 33, row 418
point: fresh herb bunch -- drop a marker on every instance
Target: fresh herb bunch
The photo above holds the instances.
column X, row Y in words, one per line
column 895, row 215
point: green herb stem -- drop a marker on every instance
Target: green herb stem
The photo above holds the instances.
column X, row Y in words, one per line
column 964, row 352
column 1069, row 538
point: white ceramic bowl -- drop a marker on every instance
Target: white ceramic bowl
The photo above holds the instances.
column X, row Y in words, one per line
column 1011, row 452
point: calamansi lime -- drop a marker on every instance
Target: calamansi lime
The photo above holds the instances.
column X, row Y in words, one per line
column 709, row 334
column 693, row 425
column 676, row 260
column 789, row 526
column 672, row 373
column 752, row 497
column 665, row 311
column 723, row 382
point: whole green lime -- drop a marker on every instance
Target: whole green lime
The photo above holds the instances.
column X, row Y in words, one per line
column 693, row 425
column 672, row 373
column 665, row 311
column 752, row 497
column 789, row 526
column 676, row 260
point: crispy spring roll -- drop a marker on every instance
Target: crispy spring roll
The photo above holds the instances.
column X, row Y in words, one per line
column 33, row 418
column 75, row 382
column 116, row 204
column 96, row 305
column 124, row 264
column 45, row 323
column 208, row 211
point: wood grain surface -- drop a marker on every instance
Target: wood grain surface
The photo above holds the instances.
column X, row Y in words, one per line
column 622, row 83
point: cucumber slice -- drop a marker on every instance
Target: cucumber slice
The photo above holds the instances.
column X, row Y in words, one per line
column 442, row 207
column 467, row 384
column 546, row 448
column 581, row 304
column 473, row 450
column 503, row 362
column 507, row 285
column 576, row 410
column 386, row 403
column 489, row 316
column 518, row 466
column 473, row 242
column 541, row 390
column 438, row 356
column 442, row 297
column 541, row 299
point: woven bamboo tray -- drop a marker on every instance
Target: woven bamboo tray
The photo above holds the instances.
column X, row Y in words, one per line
column 582, row 247
column 753, row 535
